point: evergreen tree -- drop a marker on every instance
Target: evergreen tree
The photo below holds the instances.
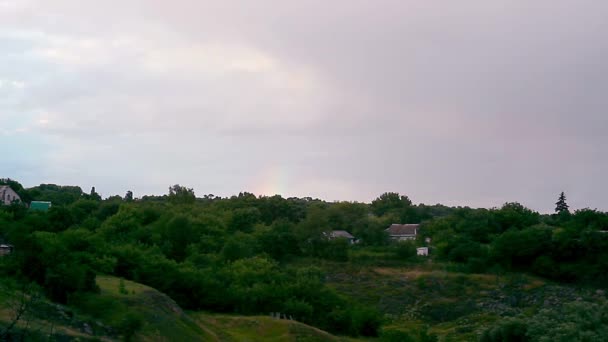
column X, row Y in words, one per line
column 94, row 195
column 561, row 206
column 129, row 196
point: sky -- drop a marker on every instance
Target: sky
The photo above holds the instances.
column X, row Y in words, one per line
column 473, row 102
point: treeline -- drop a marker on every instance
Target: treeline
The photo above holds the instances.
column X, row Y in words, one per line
column 253, row 255
column 220, row 254
column 567, row 247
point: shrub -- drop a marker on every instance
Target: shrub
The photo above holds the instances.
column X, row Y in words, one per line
column 405, row 250
column 365, row 322
column 393, row 335
column 130, row 325
column 511, row 330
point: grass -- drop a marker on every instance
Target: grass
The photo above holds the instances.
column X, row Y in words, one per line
column 420, row 295
column 260, row 328
column 162, row 319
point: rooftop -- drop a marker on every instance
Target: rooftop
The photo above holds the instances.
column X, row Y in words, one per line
column 341, row 234
column 403, row 229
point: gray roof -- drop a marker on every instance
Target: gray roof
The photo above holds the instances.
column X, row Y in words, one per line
column 340, row 234
column 402, row 229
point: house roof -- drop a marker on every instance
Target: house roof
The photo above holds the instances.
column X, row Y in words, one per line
column 341, row 234
column 39, row 205
column 402, row 229
column 5, row 187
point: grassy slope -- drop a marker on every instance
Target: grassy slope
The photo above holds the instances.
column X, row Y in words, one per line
column 450, row 304
column 164, row 320
column 260, row 328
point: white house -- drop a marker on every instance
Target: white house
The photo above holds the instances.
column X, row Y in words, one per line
column 8, row 195
column 401, row 232
column 5, row 249
column 424, row 251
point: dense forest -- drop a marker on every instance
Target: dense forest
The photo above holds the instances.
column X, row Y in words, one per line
column 250, row 254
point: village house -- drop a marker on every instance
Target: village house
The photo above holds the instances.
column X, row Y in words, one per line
column 423, row 251
column 5, row 249
column 402, row 232
column 8, row 195
column 341, row 234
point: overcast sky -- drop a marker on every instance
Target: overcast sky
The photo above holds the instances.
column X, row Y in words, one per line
column 464, row 102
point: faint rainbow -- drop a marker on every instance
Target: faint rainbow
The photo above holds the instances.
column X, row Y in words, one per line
column 272, row 180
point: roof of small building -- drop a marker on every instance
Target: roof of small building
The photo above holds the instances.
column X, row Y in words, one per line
column 402, row 229
column 341, row 234
column 40, row 205
column 6, row 246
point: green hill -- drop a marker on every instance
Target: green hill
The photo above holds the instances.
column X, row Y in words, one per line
column 124, row 308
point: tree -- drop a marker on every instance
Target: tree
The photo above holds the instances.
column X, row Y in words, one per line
column 390, row 201
column 181, row 195
column 94, row 195
column 561, row 206
column 129, row 196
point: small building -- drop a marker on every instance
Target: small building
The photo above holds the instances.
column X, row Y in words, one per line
column 6, row 250
column 8, row 195
column 341, row 234
column 40, row 205
column 401, row 232
column 424, row 251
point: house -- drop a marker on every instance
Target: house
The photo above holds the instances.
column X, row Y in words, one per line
column 8, row 195
column 424, row 251
column 40, row 205
column 401, row 232
column 6, row 250
column 341, row 234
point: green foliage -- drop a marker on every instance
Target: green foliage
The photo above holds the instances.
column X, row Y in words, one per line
column 574, row 322
column 130, row 325
column 561, row 206
column 509, row 330
column 58, row 195
column 405, row 250
column 181, row 195
column 365, row 322
column 390, row 202
column 252, row 255
column 336, row 250
column 394, row 335
column 521, row 247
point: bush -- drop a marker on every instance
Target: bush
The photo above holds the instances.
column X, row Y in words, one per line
column 392, row 335
column 405, row 250
column 511, row 330
column 365, row 322
column 130, row 325
column 299, row 309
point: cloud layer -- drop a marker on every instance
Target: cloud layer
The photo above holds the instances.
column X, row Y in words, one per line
column 475, row 103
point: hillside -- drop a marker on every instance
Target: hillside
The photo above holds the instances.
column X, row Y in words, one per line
column 124, row 307
column 426, row 297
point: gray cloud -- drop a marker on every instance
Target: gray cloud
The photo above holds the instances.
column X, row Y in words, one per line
column 474, row 103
